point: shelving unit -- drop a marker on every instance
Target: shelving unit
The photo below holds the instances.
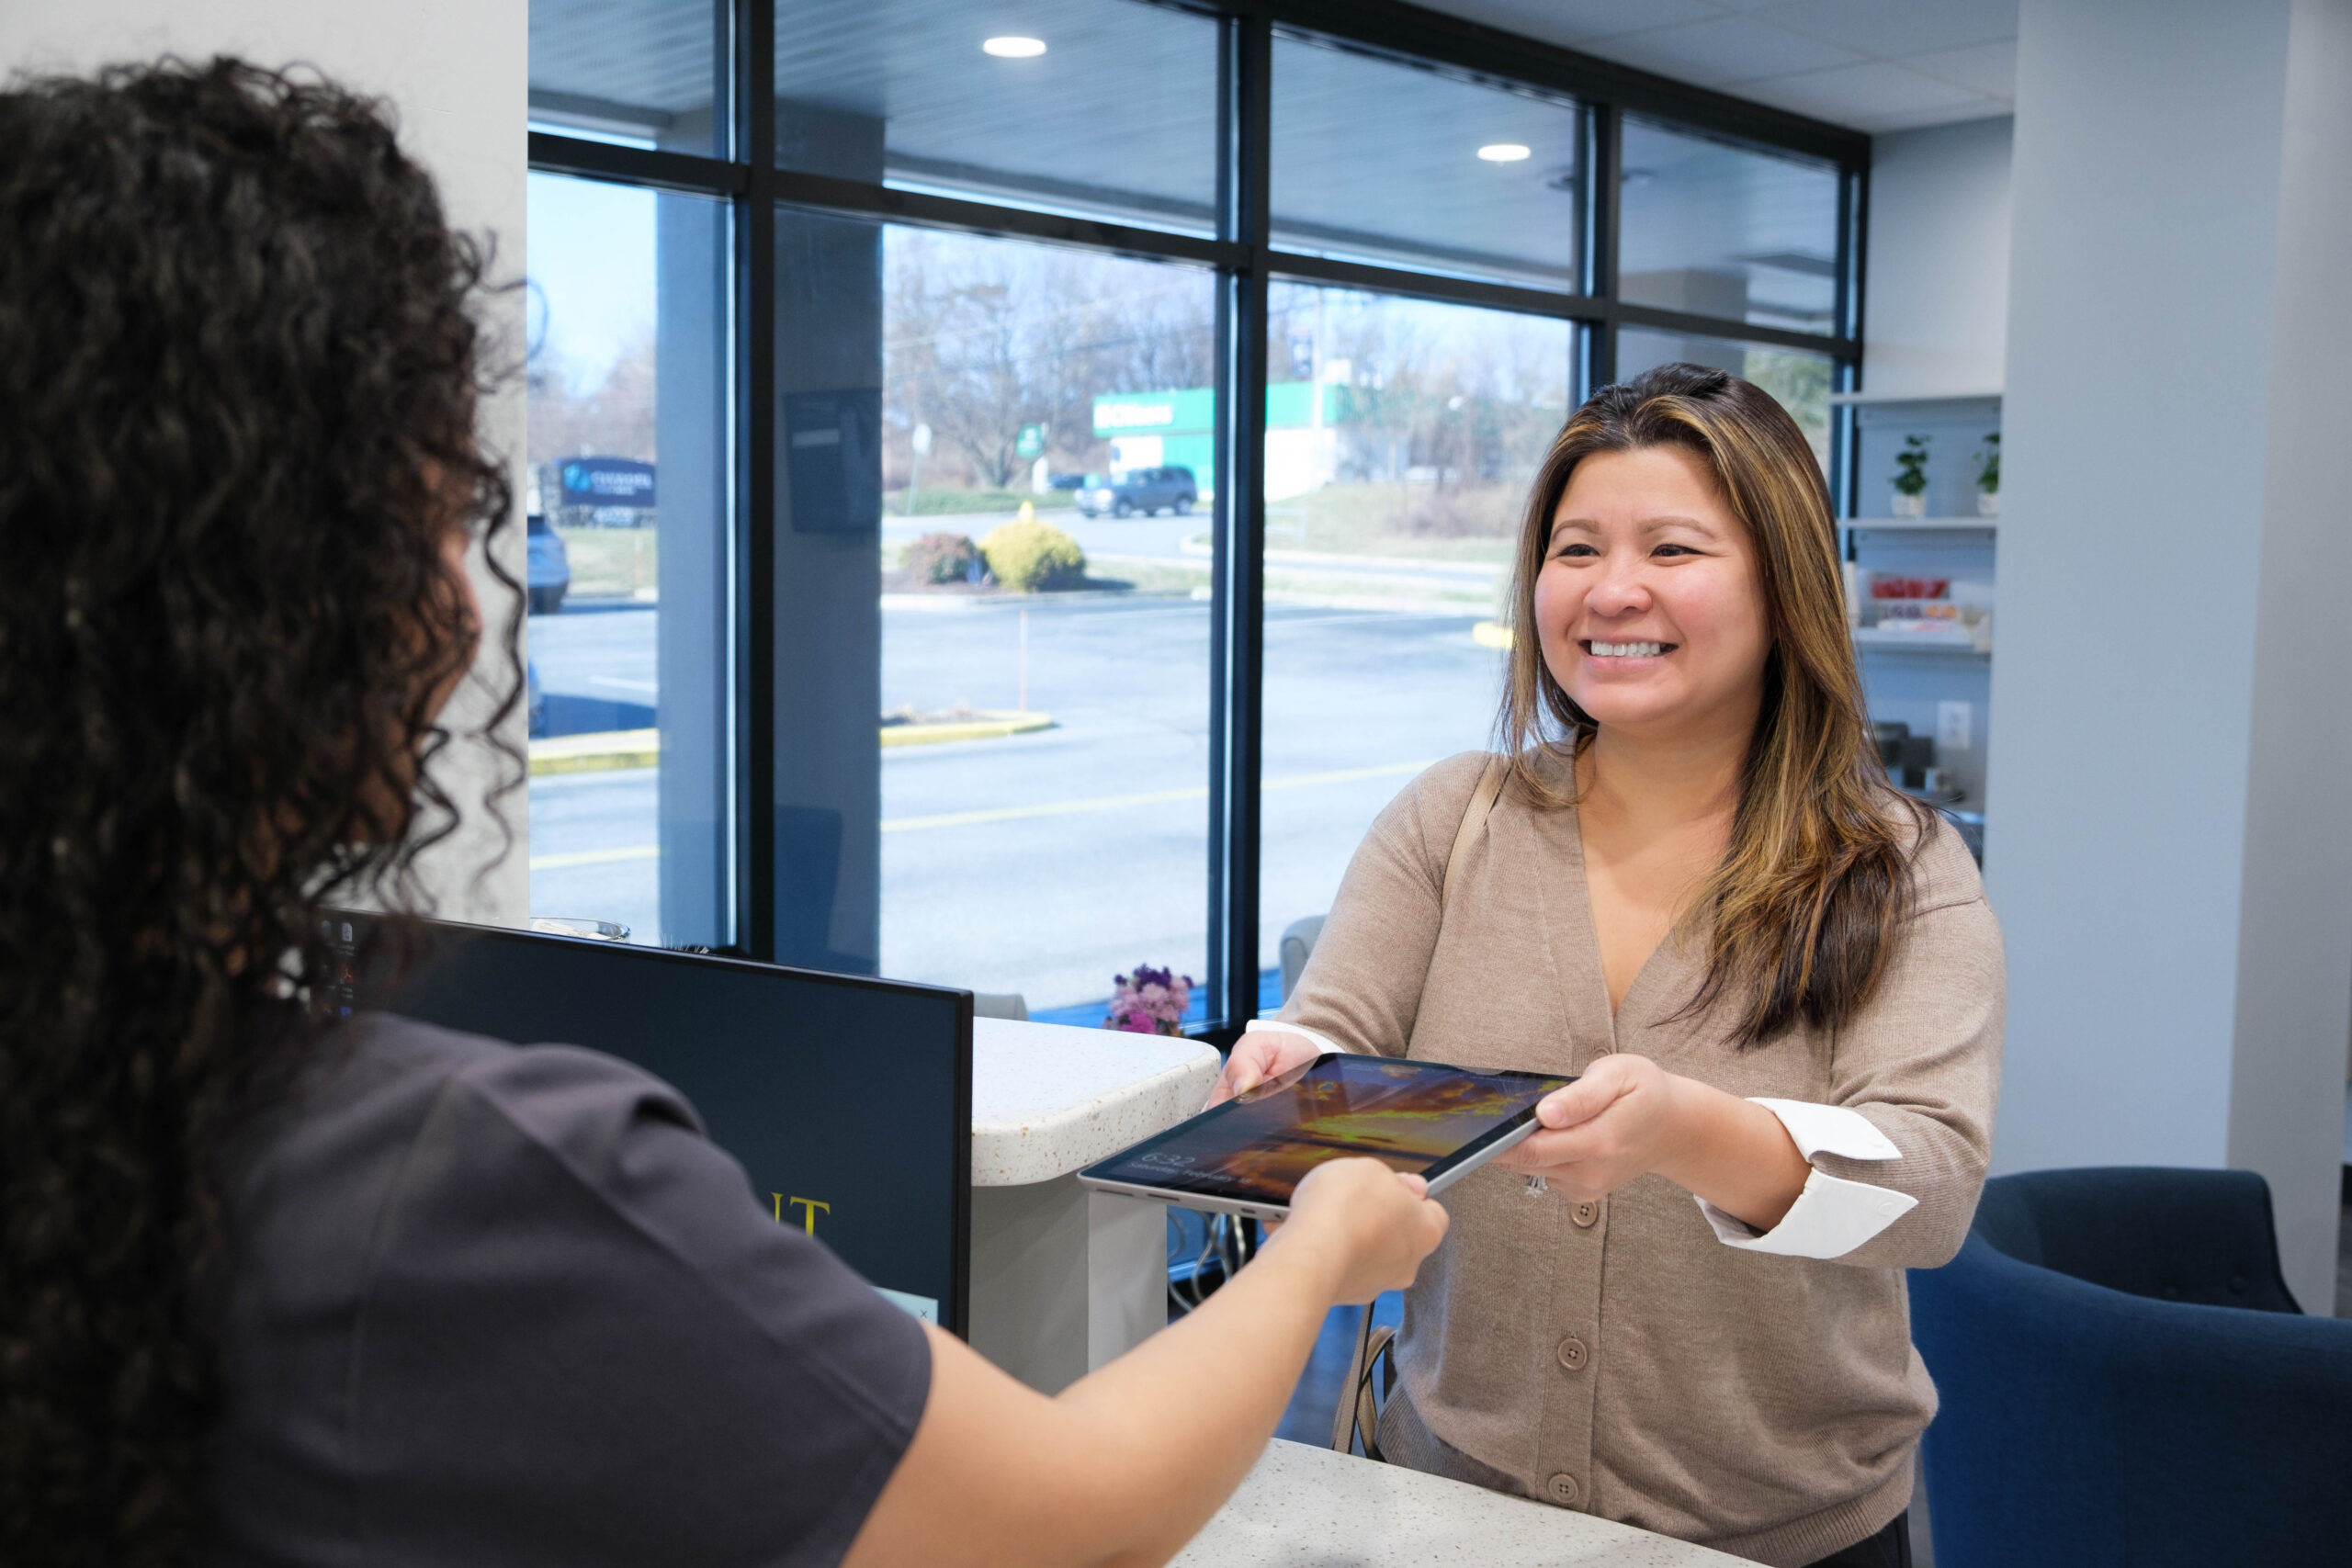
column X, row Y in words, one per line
column 1939, row 689
column 1926, row 525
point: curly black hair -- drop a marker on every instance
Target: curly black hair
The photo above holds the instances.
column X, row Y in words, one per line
column 238, row 387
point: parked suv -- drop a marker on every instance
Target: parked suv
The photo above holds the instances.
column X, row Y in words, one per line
column 548, row 574
column 1144, row 490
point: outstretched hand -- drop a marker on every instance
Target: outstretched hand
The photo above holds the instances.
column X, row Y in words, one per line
column 1376, row 1225
column 1260, row 1055
column 1623, row 1119
column 1628, row 1117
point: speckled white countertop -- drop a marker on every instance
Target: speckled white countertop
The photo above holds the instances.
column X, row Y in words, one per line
column 1308, row 1508
column 1048, row 1099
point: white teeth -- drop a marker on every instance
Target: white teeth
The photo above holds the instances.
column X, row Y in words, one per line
column 1627, row 650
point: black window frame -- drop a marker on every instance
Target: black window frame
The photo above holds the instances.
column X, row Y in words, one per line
column 1245, row 262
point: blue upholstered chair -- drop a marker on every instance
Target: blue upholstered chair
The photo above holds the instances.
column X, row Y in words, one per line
column 2127, row 1381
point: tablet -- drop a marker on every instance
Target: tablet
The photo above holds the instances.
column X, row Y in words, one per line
column 1248, row 1155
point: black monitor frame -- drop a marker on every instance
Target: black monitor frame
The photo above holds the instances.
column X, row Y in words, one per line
column 393, row 958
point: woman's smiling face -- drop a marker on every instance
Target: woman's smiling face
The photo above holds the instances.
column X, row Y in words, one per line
column 1649, row 607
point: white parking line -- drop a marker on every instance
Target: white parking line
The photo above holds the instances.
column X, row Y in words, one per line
column 1013, row 813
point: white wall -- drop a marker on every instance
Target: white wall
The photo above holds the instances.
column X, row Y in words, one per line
column 456, row 70
column 1936, row 293
column 2168, row 849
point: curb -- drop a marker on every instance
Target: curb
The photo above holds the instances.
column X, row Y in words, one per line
column 1491, row 634
column 596, row 754
column 980, row 727
column 643, row 748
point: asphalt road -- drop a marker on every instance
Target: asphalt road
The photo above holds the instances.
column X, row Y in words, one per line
column 1048, row 862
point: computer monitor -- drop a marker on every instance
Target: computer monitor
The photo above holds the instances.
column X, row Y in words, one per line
column 848, row 1102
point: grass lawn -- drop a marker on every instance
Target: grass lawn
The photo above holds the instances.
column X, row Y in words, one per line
column 1418, row 521
column 611, row 560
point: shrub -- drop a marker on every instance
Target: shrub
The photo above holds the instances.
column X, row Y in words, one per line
column 942, row 558
column 1030, row 556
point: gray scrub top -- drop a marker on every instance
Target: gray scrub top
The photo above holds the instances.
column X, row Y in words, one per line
column 498, row 1305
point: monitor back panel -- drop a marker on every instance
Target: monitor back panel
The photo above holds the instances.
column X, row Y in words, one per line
column 848, row 1102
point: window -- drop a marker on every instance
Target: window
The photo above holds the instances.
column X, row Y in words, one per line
column 1268, row 314
column 1374, row 161
column 640, row 72
column 1043, row 770
column 1401, row 437
column 630, row 803
column 1801, row 382
column 1107, row 109
column 1718, row 229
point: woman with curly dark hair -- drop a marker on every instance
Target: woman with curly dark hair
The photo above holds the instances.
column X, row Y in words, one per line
column 279, row 1289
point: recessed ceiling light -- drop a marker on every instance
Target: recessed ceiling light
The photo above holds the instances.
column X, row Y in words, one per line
column 1502, row 152
column 1014, row 47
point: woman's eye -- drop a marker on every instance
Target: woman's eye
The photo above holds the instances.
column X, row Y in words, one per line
column 1575, row 547
column 1674, row 551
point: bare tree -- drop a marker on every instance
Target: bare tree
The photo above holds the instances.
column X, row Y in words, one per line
column 613, row 418
column 987, row 337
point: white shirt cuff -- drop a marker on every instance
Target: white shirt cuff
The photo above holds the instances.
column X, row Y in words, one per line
column 1832, row 1216
column 1279, row 1027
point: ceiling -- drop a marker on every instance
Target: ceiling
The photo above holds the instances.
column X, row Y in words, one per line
column 1873, row 65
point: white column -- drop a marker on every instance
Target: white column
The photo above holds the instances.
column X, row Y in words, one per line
column 2170, row 847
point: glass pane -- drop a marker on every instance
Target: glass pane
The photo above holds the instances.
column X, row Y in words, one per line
column 628, row 496
column 1799, row 380
column 1401, row 438
column 644, row 73
column 1723, row 231
column 1399, row 165
column 1034, row 819
column 1095, row 106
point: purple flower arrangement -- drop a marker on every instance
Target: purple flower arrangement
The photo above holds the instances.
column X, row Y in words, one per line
column 1150, row 1001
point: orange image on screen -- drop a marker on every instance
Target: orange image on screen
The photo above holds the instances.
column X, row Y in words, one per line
column 1409, row 1116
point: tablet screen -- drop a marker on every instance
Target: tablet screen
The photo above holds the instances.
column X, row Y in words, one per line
column 1411, row 1116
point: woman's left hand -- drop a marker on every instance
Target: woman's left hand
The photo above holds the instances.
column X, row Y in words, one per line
column 1623, row 1119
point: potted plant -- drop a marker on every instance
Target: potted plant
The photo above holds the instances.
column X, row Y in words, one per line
column 1151, row 1001
column 1989, row 477
column 1911, row 478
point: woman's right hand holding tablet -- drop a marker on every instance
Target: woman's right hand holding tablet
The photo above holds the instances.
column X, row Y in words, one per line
column 1260, row 1055
column 1370, row 1225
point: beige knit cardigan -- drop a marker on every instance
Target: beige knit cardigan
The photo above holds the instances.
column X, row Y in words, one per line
column 1616, row 1358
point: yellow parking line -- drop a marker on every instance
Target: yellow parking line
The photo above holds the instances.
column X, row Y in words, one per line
column 1013, row 813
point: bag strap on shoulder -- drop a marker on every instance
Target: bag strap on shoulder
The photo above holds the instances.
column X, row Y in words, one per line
column 1358, row 1416
column 1474, row 822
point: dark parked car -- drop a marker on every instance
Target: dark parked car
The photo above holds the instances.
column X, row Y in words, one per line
column 548, row 573
column 1145, row 490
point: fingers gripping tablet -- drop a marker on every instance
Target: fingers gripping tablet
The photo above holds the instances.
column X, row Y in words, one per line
column 1248, row 1155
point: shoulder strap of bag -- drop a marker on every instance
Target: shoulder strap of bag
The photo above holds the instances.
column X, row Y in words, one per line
column 1474, row 820
column 1357, row 1416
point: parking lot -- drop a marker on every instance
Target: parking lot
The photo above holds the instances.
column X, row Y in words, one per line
column 1046, row 862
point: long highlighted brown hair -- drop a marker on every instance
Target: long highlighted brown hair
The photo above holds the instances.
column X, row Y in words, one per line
column 1801, row 918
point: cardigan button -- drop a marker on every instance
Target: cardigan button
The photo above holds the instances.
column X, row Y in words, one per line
column 1572, row 1354
column 1584, row 1214
column 1563, row 1489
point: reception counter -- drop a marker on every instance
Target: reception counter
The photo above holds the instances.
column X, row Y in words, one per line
column 1064, row 1280
column 1308, row 1508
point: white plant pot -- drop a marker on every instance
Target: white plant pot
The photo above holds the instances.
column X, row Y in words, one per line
column 1910, row 505
column 1988, row 504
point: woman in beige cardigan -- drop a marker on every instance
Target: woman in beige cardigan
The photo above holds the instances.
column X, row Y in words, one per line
column 1688, row 881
